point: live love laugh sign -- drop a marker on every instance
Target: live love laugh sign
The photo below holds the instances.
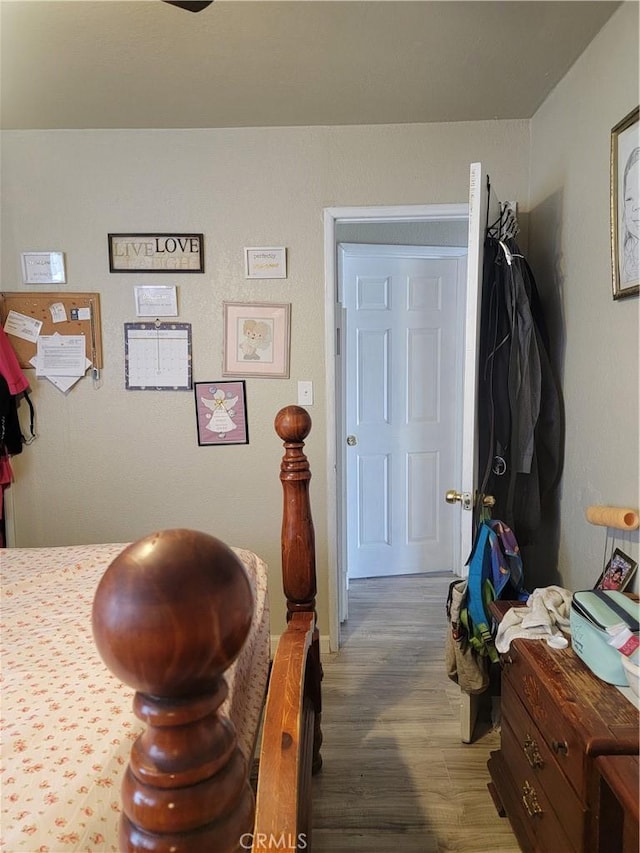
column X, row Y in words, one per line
column 156, row 253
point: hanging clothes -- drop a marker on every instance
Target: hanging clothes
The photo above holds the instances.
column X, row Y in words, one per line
column 521, row 416
column 10, row 367
column 13, row 386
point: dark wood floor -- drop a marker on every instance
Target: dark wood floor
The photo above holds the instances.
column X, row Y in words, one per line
column 396, row 776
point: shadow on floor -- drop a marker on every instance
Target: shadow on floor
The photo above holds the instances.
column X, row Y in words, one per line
column 396, row 776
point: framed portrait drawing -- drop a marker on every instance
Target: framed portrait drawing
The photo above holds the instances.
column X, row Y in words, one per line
column 221, row 413
column 625, row 206
column 256, row 339
column 617, row 573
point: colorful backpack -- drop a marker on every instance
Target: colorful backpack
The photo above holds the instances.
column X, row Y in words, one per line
column 495, row 571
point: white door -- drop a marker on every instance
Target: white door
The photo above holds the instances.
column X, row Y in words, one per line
column 401, row 392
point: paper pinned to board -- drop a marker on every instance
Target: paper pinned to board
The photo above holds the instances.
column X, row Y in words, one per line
column 61, row 359
column 58, row 313
column 61, row 355
column 22, row 326
column 62, row 383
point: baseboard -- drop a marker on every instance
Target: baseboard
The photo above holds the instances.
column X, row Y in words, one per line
column 325, row 649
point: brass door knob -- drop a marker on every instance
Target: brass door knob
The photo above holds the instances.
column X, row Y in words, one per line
column 453, row 496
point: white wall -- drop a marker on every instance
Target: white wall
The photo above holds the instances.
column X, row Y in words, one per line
column 112, row 465
column 596, row 338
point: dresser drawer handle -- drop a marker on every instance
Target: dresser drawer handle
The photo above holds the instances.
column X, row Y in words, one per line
column 530, row 800
column 532, row 752
column 559, row 747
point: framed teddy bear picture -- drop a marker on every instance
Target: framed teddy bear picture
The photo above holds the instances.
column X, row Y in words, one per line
column 256, row 339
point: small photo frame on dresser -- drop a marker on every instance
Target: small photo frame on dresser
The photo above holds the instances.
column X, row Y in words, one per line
column 617, row 573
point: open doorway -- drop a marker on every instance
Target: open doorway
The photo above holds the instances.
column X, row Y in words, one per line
column 443, row 228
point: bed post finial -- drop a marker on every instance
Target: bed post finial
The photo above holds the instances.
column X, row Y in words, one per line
column 293, row 424
column 170, row 615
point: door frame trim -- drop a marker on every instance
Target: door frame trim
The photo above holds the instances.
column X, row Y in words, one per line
column 332, row 216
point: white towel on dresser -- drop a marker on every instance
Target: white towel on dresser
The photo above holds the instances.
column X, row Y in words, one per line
column 546, row 613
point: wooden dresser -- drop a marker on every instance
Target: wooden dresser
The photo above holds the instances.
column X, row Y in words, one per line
column 557, row 720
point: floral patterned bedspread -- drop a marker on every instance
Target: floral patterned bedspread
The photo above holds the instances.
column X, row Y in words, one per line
column 67, row 724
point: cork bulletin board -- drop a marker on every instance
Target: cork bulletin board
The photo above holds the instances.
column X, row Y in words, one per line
column 82, row 312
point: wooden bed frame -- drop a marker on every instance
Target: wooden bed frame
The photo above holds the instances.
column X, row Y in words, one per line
column 187, row 788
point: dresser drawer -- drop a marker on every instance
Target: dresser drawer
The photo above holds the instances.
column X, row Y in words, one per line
column 558, row 722
column 526, row 803
column 525, row 747
column 563, row 742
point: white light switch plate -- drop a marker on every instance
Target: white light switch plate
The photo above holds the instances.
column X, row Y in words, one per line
column 305, row 393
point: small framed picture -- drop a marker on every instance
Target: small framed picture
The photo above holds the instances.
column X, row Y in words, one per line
column 221, row 413
column 625, row 192
column 256, row 339
column 43, row 268
column 156, row 300
column 617, row 573
column 266, row 262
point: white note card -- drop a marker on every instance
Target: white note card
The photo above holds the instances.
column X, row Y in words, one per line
column 58, row 313
column 22, row 326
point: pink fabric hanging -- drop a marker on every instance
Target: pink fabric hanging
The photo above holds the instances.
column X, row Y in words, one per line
column 10, row 367
column 17, row 383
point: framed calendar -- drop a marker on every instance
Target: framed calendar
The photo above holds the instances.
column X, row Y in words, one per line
column 157, row 356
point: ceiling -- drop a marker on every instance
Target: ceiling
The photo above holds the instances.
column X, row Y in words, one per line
column 242, row 63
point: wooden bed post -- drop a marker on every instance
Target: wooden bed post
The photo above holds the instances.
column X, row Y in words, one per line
column 293, row 425
column 291, row 735
column 170, row 614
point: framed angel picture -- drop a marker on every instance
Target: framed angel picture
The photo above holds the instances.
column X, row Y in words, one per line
column 221, row 413
column 625, row 206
